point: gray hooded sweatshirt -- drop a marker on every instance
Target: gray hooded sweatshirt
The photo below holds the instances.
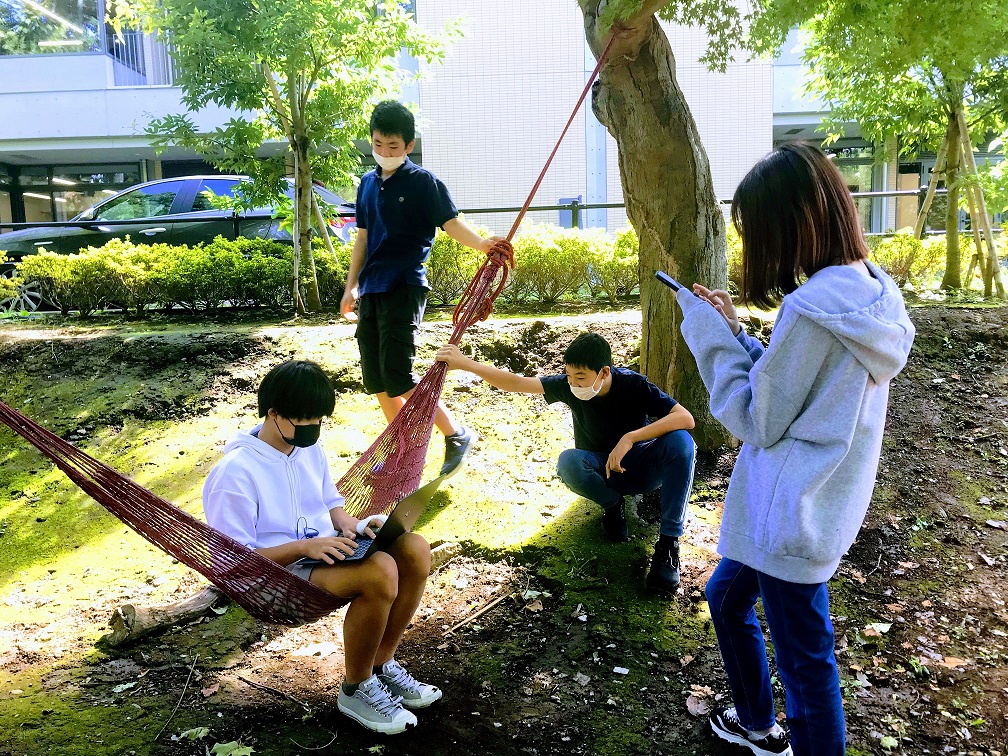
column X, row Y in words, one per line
column 810, row 411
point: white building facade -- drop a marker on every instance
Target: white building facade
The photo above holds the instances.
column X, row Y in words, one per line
column 75, row 100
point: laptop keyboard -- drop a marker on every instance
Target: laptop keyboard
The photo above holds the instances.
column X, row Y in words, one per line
column 362, row 546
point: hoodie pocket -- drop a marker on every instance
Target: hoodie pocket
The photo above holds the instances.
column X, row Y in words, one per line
column 804, row 520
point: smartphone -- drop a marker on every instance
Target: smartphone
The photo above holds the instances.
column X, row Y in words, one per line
column 666, row 279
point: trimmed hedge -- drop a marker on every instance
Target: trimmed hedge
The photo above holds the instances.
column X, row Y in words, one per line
column 552, row 264
column 911, row 262
column 133, row 277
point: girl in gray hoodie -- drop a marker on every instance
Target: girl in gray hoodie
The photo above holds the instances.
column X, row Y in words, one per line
column 810, row 411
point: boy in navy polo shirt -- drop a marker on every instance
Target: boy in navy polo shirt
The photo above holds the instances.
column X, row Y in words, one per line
column 630, row 437
column 399, row 207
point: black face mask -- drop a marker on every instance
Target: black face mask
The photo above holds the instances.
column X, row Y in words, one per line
column 304, row 435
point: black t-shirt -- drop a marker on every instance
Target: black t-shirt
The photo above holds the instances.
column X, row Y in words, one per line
column 601, row 422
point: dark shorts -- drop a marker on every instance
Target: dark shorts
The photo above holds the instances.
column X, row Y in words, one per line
column 387, row 331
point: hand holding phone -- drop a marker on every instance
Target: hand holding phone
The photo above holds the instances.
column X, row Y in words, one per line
column 666, row 279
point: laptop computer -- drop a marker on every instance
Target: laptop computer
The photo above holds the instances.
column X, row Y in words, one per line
column 400, row 520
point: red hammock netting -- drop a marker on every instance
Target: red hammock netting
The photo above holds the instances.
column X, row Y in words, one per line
column 390, row 468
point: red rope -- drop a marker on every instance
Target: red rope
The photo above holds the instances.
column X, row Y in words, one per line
column 392, row 466
column 501, row 254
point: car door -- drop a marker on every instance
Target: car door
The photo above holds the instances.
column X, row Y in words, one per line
column 200, row 221
column 144, row 213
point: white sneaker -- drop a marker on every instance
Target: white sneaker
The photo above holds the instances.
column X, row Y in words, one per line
column 415, row 694
column 726, row 725
column 374, row 707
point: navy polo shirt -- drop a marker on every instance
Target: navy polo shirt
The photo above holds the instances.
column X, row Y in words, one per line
column 401, row 214
column 599, row 423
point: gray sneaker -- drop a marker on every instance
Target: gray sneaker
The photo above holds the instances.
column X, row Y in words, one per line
column 374, row 707
column 415, row 694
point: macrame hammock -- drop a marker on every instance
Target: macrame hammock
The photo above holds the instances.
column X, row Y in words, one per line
column 390, row 468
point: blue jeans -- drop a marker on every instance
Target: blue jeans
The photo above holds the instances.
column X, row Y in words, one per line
column 799, row 621
column 666, row 461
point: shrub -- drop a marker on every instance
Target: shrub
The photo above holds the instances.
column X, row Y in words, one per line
column 82, row 282
column 451, row 266
column 130, row 266
column 900, row 255
column 614, row 267
column 549, row 264
column 331, row 270
column 8, row 283
column 733, row 245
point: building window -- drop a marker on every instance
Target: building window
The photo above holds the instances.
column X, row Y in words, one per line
column 34, row 27
column 855, row 163
column 61, row 193
column 76, row 188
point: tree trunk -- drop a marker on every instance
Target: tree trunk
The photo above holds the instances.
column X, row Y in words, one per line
column 302, row 225
column 670, row 200
column 953, row 275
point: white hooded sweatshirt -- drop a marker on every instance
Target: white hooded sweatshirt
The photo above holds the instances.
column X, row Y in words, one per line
column 262, row 497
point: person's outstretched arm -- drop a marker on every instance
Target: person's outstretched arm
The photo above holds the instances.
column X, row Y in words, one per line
column 460, row 231
column 505, row 380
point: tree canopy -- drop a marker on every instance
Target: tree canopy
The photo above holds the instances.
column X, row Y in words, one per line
column 898, row 67
column 302, row 71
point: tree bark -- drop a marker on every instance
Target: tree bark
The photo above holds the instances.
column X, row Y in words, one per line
column 669, row 196
column 990, row 264
column 953, row 275
column 302, row 227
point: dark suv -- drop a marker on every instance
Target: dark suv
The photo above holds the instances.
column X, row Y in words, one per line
column 171, row 211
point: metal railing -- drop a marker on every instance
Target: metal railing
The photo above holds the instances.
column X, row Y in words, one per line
column 140, row 60
column 574, row 207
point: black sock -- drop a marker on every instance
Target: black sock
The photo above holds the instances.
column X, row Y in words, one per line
column 350, row 689
column 668, row 542
column 377, row 669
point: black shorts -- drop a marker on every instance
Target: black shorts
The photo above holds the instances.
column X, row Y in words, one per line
column 387, row 328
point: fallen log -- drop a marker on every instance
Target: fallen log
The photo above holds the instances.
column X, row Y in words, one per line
column 130, row 623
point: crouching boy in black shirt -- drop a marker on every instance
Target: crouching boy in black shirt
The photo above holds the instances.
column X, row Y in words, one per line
column 630, row 437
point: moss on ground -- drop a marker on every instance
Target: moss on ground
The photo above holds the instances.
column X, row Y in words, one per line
column 58, row 548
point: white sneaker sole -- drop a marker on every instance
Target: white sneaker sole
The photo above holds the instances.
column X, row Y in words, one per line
column 385, row 728
column 421, row 703
column 731, row 737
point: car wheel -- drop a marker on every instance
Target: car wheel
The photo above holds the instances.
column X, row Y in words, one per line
column 27, row 299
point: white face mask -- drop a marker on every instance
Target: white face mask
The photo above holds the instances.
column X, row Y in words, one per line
column 388, row 163
column 584, row 393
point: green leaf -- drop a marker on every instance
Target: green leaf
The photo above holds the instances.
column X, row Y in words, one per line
column 889, row 742
column 196, row 733
column 234, row 748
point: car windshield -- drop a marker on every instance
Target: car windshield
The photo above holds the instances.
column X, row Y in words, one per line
column 327, row 196
column 142, row 202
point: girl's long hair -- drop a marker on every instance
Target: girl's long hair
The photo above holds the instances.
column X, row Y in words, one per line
column 795, row 216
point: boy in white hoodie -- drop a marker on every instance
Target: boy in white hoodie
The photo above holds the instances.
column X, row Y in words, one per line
column 273, row 492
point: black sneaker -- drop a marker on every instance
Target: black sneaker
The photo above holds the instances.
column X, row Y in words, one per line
column 663, row 577
column 456, row 446
column 614, row 523
column 726, row 725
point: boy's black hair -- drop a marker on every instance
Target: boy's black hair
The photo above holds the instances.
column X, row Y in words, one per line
column 588, row 350
column 392, row 118
column 297, row 390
